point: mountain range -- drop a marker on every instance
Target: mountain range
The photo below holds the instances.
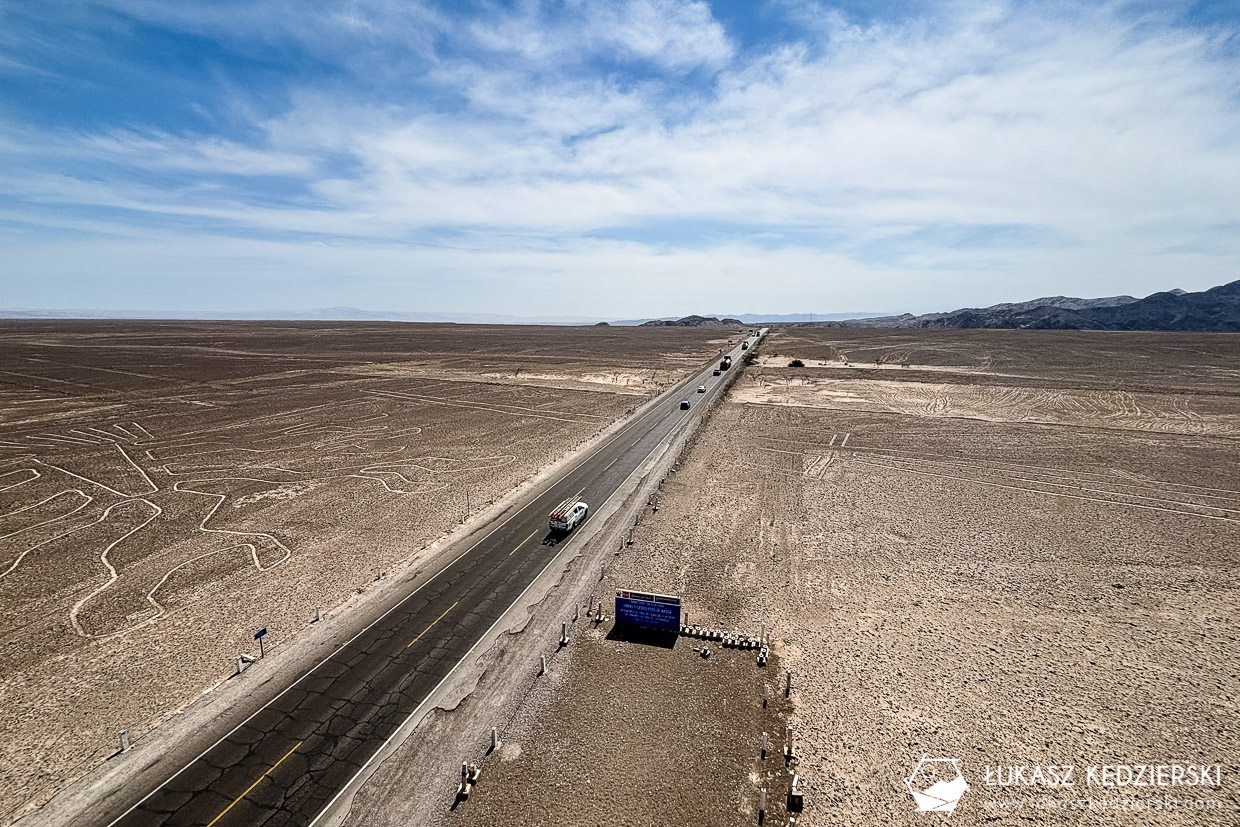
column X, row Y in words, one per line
column 1216, row 309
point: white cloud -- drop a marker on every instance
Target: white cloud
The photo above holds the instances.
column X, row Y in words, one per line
column 674, row 34
column 1110, row 142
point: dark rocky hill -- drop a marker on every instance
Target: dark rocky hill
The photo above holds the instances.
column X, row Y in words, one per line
column 695, row 321
column 1216, row 309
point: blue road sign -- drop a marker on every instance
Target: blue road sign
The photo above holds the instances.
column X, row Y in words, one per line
column 650, row 611
column 260, row 633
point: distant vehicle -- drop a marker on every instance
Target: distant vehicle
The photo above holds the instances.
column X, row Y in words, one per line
column 717, row 372
column 701, row 389
column 744, row 345
column 684, row 404
column 569, row 514
column 726, row 363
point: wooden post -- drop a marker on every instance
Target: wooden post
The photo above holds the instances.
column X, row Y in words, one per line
column 494, row 739
column 124, row 740
column 788, row 691
column 544, row 665
column 564, row 634
column 761, row 804
column 318, row 613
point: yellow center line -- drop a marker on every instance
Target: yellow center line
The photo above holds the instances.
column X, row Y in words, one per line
column 424, row 631
column 255, row 784
column 523, row 542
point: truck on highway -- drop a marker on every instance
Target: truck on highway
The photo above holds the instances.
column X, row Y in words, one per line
column 744, row 345
column 568, row 515
column 725, row 363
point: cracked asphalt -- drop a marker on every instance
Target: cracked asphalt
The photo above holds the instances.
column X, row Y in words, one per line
column 287, row 762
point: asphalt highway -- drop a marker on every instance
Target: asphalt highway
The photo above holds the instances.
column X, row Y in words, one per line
column 289, row 760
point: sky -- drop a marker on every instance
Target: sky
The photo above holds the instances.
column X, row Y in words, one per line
column 623, row 159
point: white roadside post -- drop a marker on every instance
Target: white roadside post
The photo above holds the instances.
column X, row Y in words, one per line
column 124, row 740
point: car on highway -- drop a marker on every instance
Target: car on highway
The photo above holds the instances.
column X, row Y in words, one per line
column 568, row 514
column 684, row 404
column 701, row 389
column 717, row 372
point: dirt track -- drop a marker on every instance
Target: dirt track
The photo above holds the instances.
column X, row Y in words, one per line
column 1005, row 584
column 167, row 488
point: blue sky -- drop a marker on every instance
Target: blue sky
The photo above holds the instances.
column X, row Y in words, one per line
column 614, row 159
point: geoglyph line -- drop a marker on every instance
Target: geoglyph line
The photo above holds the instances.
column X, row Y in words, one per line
column 60, row 440
column 202, row 525
column 103, row 558
column 83, row 479
column 7, row 486
column 126, row 433
column 87, row 501
column 137, row 468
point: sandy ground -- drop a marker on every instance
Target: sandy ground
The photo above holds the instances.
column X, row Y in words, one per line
column 1034, row 584
column 168, row 488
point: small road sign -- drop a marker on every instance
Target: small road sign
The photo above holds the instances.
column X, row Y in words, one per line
column 259, row 637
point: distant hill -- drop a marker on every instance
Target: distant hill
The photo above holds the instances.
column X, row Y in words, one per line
column 694, row 321
column 1216, row 309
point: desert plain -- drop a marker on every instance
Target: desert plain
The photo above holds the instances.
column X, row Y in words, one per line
column 169, row 488
column 1004, row 548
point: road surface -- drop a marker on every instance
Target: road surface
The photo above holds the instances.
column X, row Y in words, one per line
column 290, row 759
